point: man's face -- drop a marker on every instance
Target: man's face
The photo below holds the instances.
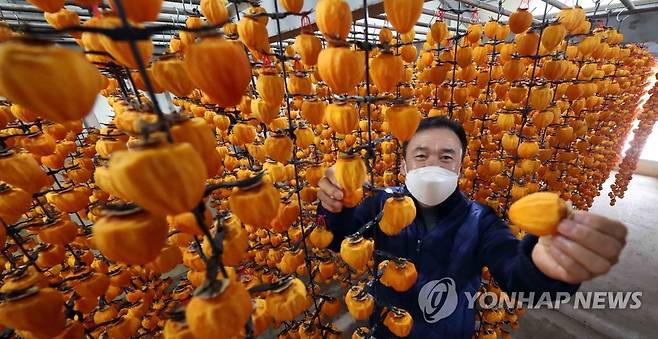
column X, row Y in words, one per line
column 433, row 147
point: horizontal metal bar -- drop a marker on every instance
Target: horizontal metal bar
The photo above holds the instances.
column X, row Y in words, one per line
column 379, row 27
column 34, row 17
column 485, row 6
column 448, row 16
column 28, row 8
column 646, row 6
column 637, row 10
column 187, row 2
column 556, row 3
column 629, row 4
column 422, row 24
column 72, row 41
column 15, row 24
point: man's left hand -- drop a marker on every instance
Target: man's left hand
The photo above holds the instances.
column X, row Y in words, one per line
column 584, row 247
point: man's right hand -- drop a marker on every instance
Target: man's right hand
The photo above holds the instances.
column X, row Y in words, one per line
column 330, row 193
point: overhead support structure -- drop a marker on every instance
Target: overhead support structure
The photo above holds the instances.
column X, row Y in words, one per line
column 187, row 2
column 640, row 6
column 357, row 14
column 379, row 27
column 629, row 4
column 448, row 16
column 556, row 3
column 167, row 15
column 485, row 6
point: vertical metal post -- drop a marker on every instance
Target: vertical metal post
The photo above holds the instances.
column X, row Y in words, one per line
column 525, row 111
column 143, row 73
column 291, row 127
column 488, row 96
column 451, row 104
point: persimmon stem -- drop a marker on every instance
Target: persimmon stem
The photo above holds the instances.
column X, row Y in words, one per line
column 215, row 260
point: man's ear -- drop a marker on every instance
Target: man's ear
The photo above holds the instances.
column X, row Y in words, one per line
column 403, row 167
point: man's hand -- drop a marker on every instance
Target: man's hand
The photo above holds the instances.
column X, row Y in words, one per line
column 585, row 246
column 330, row 193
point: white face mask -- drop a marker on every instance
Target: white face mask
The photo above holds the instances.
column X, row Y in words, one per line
column 431, row 185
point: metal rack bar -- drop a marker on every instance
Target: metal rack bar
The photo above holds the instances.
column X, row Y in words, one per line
column 555, row 3
column 485, row 6
column 628, row 4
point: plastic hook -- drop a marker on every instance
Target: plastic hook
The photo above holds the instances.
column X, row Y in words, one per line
column 597, row 5
column 195, row 10
column 622, row 19
column 607, row 7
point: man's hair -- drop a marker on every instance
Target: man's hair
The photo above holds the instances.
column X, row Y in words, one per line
column 441, row 122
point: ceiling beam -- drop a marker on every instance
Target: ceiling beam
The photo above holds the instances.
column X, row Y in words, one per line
column 29, row 8
column 422, row 24
column 376, row 24
column 556, row 3
column 187, row 2
column 14, row 24
column 357, row 14
column 448, row 16
column 602, row 14
column 644, row 7
column 629, row 4
column 38, row 17
column 379, row 27
column 485, row 6
column 10, row 9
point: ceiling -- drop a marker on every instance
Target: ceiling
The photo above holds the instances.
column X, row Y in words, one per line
column 20, row 12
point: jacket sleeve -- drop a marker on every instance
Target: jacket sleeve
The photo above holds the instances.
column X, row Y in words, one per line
column 349, row 220
column 510, row 262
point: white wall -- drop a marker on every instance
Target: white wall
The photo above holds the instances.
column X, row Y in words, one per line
column 102, row 112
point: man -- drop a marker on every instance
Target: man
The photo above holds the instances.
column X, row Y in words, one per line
column 452, row 238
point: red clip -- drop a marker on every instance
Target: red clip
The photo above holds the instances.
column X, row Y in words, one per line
column 321, row 220
column 475, row 16
column 440, row 14
column 96, row 11
column 266, row 61
column 306, row 23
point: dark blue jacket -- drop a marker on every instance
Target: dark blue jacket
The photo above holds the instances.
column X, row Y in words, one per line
column 468, row 236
